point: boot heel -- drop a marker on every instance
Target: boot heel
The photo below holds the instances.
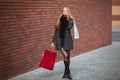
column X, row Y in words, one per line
column 64, row 76
column 69, row 75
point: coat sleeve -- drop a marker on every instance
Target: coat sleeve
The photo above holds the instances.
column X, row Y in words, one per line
column 70, row 23
column 54, row 37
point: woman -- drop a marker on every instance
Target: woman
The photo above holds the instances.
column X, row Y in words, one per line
column 62, row 39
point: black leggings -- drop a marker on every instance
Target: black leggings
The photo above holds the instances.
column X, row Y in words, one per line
column 66, row 54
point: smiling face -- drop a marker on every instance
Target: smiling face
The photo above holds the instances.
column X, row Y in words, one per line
column 65, row 11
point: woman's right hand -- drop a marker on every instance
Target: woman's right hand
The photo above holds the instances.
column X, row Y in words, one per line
column 52, row 45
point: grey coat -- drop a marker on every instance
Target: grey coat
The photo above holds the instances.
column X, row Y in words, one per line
column 68, row 41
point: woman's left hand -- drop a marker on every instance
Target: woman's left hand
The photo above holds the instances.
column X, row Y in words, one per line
column 72, row 17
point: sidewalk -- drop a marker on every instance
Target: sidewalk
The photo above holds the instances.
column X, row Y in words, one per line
column 99, row 64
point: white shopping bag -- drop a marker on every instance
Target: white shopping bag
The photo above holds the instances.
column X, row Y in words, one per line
column 76, row 33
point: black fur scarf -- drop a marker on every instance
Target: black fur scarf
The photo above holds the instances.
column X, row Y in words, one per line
column 63, row 26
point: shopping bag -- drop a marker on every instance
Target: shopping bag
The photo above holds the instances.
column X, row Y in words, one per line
column 76, row 33
column 48, row 59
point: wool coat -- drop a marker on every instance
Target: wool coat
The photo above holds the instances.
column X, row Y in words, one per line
column 68, row 40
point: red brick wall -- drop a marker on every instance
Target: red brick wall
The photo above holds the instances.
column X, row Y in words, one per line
column 116, row 2
column 26, row 29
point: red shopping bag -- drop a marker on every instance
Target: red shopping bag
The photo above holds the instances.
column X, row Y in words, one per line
column 48, row 59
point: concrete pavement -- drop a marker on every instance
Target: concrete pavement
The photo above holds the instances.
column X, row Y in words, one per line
column 99, row 64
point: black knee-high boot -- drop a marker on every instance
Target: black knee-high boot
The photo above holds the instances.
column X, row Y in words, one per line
column 68, row 70
column 65, row 71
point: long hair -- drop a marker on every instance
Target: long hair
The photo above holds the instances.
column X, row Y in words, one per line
column 58, row 20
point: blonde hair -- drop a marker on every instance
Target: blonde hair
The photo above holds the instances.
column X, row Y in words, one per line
column 58, row 20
